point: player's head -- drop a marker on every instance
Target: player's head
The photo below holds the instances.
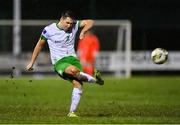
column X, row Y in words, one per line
column 67, row 13
column 67, row 20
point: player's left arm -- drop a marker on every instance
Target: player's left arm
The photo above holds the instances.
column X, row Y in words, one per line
column 86, row 25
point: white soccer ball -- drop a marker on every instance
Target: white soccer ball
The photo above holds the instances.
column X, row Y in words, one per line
column 159, row 56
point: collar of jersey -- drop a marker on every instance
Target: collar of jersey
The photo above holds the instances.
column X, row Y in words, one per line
column 58, row 26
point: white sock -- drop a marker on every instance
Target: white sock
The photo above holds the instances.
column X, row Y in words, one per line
column 76, row 95
column 86, row 77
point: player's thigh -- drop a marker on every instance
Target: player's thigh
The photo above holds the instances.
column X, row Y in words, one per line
column 69, row 62
column 68, row 67
column 75, row 66
column 61, row 67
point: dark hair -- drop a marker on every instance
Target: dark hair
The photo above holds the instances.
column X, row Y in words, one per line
column 68, row 13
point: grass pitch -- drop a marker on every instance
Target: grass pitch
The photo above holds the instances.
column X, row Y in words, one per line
column 136, row 100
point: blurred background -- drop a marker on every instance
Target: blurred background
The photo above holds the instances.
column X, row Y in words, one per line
column 128, row 31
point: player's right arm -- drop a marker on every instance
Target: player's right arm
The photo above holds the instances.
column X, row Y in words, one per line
column 35, row 53
column 86, row 25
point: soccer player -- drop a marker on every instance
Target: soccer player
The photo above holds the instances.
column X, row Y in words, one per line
column 87, row 49
column 61, row 38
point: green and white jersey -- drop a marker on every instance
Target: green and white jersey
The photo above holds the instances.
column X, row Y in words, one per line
column 61, row 43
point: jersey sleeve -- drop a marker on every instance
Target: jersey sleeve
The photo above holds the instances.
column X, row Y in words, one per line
column 44, row 34
column 78, row 23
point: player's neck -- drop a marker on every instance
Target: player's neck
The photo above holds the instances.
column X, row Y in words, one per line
column 59, row 26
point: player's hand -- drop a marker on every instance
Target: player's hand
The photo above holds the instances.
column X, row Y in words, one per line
column 81, row 36
column 29, row 67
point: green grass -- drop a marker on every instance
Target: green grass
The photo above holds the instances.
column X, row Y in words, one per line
column 136, row 100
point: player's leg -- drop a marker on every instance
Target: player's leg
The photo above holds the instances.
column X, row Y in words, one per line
column 76, row 73
column 97, row 74
column 76, row 96
column 70, row 68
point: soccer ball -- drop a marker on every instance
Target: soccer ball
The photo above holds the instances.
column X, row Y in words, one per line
column 159, row 56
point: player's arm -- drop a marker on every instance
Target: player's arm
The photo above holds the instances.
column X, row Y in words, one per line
column 35, row 53
column 86, row 25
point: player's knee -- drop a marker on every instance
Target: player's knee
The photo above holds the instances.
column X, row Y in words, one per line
column 75, row 71
column 71, row 70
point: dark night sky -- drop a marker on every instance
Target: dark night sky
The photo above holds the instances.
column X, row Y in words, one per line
column 143, row 12
column 155, row 22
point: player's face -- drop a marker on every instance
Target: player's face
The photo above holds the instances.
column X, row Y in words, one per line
column 67, row 23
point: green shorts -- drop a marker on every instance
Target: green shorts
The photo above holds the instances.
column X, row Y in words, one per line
column 65, row 62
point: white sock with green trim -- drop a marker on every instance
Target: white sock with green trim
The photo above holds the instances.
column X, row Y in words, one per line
column 76, row 96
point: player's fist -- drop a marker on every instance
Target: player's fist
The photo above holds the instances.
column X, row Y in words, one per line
column 29, row 67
